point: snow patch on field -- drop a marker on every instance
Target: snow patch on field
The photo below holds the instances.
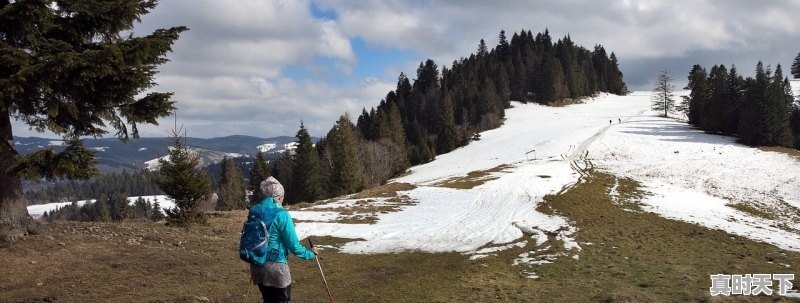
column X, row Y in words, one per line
column 696, row 177
column 499, row 213
column 319, row 216
column 36, row 211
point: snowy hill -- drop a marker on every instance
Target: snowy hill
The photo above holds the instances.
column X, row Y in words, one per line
column 690, row 176
column 115, row 155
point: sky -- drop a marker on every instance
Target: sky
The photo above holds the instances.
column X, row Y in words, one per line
column 260, row 67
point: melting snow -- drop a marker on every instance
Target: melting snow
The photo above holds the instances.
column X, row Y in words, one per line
column 502, row 210
column 38, row 210
column 695, row 177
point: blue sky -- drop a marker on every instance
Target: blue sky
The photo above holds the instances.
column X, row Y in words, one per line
column 259, row 67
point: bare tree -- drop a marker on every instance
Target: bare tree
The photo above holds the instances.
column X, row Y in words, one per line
column 664, row 94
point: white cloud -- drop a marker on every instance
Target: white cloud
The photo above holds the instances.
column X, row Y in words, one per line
column 229, row 71
column 261, row 107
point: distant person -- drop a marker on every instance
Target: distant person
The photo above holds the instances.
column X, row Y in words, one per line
column 620, row 120
column 273, row 278
column 609, row 121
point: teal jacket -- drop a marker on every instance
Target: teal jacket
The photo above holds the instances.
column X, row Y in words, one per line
column 282, row 237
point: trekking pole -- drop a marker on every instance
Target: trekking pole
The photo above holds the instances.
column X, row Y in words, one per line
column 330, row 296
column 249, row 284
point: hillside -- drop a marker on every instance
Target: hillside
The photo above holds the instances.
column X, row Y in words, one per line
column 601, row 201
column 115, row 155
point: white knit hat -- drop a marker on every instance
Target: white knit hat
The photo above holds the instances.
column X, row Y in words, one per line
column 271, row 187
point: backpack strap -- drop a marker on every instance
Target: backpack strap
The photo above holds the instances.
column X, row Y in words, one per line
column 266, row 235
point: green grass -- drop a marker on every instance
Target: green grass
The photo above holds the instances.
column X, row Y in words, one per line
column 473, row 179
column 635, row 257
column 753, row 210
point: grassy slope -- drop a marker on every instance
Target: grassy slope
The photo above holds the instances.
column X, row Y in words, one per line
column 635, row 257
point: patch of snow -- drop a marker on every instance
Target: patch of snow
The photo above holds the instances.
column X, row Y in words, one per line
column 143, row 149
column 318, row 216
column 501, row 210
column 290, row 146
column 488, row 250
column 265, row 148
column 164, row 202
column 36, row 211
column 695, row 177
column 100, row 149
column 614, row 193
column 56, row 143
column 154, row 165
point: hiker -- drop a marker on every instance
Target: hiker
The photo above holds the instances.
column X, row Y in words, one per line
column 620, row 120
column 609, row 121
column 273, row 278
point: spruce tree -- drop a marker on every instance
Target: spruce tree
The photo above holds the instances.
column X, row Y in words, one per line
column 73, row 68
column 663, row 96
column 754, row 110
column 103, row 213
column 232, row 193
column 713, row 112
column 482, row 49
column 305, row 169
column 394, row 131
column 796, row 67
column 282, row 170
column 778, row 119
column 446, row 129
column 183, row 179
column 119, row 208
column 347, row 174
column 157, row 214
column 258, row 173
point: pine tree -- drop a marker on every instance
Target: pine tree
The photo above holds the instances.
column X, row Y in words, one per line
column 157, row 214
column 140, row 208
column 347, row 174
column 77, row 70
column 754, row 114
column 446, row 137
column 183, row 179
column 778, row 110
column 282, row 170
column 119, row 208
column 232, row 193
column 260, row 172
column 713, row 112
column 733, row 102
column 503, row 48
column 663, row 97
column 103, row 213
column 482, row 50
column 796, row 67
column 305, row 169
column 394, row 131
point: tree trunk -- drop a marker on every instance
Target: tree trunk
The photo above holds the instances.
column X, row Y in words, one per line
column 14, row 218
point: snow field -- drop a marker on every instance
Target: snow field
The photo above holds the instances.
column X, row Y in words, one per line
column 501, row 213
column 695, row 177
column 36, row 211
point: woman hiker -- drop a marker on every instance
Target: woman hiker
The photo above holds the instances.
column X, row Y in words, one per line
column 273, row 278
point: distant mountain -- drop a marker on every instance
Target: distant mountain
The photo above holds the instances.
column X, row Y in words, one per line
column 115, row 155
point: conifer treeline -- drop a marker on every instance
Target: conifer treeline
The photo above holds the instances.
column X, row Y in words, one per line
column 760, row 111
column 441, row 110
column 134, row 183
column 113, row 208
